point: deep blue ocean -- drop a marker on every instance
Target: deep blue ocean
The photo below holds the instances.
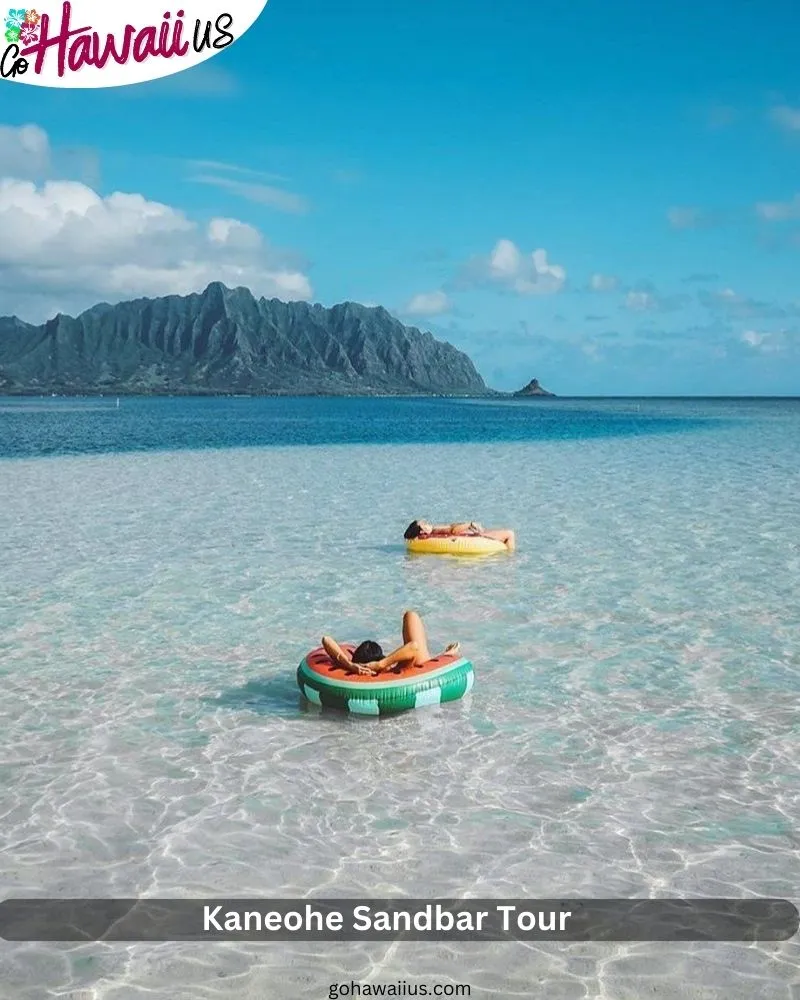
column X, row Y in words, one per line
column 31, row 427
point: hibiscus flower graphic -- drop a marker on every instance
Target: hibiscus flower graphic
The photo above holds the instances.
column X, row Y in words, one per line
column 12, row 35
column 16, row 18
column 32, row 17
column 28, row 34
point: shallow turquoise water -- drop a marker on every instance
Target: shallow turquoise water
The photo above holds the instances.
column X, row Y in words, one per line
column 633, row 727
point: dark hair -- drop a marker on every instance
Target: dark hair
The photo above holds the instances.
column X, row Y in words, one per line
column 414, row 530
column 367, row 652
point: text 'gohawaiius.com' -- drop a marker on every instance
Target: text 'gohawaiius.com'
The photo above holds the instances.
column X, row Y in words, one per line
column 401, row 988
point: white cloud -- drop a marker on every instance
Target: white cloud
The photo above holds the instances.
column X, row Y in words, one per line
column 525, row 274
column 24, row 151
column 779, row 211
column 767, row 343
column 732, row 303
column 723, row 298
column 641, row 301
column 692, row 217
column 262, row 194
column 785, row 117
column 603, row 282
column 65, row 247
column 218, row 166
column 428, row 304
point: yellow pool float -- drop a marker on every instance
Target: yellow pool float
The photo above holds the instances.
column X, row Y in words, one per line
column 455, row 545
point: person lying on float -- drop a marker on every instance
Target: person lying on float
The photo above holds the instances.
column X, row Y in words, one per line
column 425, row 529
column 368, row 658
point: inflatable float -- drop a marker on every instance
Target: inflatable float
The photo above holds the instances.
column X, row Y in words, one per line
column 444, row 678
column 455, row 545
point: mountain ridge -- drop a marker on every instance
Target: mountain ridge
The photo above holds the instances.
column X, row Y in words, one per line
column 225, row 341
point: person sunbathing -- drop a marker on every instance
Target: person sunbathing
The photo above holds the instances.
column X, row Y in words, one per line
column 424, row 529
column 368, row 658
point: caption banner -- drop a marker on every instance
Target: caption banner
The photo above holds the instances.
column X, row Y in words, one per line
column 395, row 919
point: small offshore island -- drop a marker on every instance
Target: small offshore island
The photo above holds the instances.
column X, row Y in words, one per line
column 224, row 341
column 533, row 389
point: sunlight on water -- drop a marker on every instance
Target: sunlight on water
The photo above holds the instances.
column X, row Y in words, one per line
column 633, row 729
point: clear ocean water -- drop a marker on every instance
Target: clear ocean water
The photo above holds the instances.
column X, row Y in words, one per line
column 633, row 729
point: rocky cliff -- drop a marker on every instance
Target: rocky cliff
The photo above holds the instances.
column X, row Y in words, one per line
column 225, row 340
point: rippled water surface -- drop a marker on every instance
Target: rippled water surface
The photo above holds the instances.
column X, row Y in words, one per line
column 633, row 729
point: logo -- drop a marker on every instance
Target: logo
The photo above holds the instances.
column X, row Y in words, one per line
column 93, row 43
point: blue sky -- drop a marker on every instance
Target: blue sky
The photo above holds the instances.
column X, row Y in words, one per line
column 417, row 154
